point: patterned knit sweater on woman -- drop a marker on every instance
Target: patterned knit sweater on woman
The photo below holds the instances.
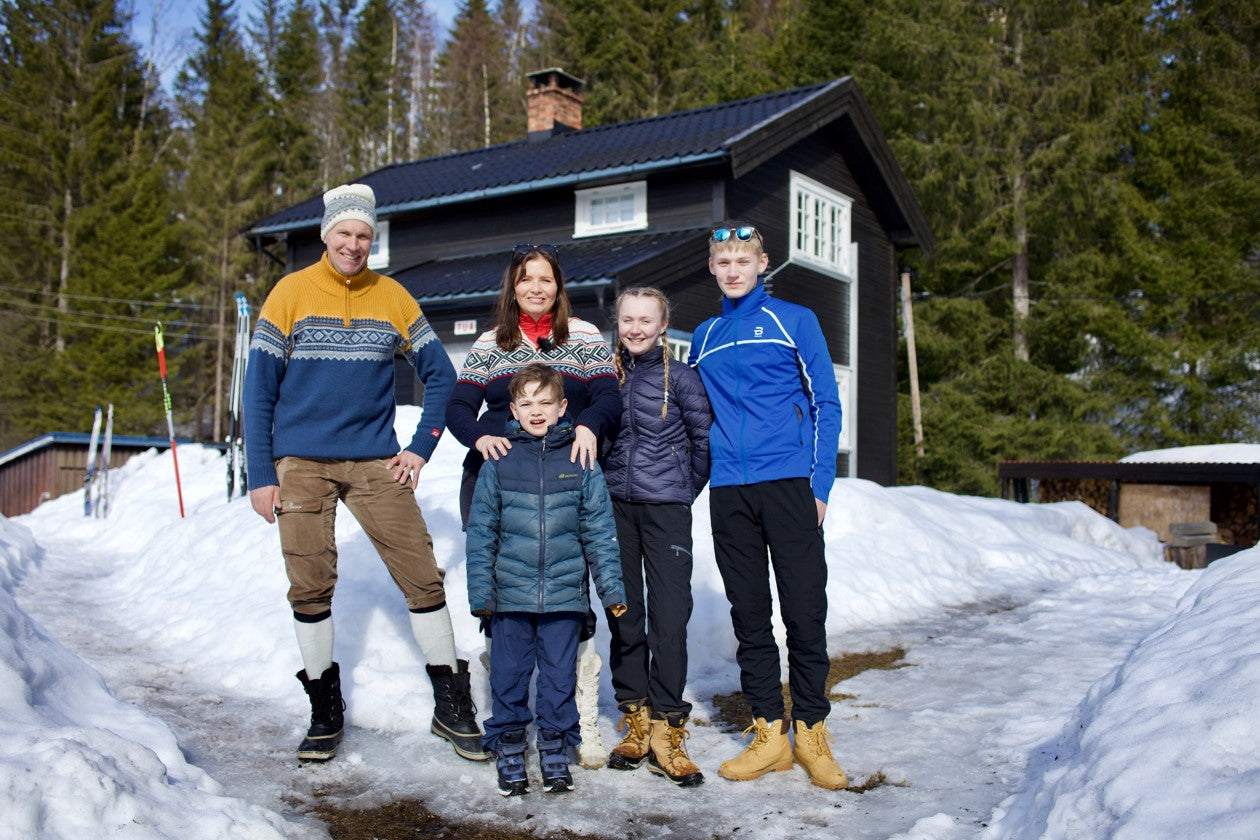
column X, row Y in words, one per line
column 320, row 382
column 584, row 360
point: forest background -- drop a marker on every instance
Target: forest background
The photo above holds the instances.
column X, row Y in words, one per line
column 1091, row 171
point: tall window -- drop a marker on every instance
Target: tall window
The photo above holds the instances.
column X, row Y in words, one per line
column 614, row 209
column 822, row 226
column 379, row 257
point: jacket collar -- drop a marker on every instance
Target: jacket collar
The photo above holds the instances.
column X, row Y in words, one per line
column 559, row 435
column 651, row 358
column 755, row 299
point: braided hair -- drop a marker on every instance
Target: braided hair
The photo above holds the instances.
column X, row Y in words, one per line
column 658, row 296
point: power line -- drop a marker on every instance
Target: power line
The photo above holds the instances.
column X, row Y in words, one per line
column 160, row 303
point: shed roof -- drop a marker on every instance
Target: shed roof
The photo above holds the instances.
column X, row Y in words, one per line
column 1149, row 472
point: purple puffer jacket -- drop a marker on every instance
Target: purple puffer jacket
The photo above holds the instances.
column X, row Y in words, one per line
column 654, row 459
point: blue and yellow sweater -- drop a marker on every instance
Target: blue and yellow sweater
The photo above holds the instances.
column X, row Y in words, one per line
column 320, row 382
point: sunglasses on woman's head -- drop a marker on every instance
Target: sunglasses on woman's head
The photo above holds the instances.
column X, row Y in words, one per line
column 524, row 249
column 743, row 234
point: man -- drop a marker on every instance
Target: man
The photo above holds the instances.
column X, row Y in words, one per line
column 772, row 446
column 319, row 415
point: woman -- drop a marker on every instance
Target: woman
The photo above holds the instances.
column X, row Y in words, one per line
column 534, row 323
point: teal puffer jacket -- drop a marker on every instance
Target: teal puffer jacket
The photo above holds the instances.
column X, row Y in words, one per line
column 537, row 520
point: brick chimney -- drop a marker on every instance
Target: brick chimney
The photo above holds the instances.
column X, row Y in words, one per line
column 555, row 103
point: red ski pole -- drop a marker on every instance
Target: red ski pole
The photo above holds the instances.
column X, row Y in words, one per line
column 166, row 403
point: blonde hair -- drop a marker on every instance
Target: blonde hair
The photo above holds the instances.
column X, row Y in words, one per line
column 755, row 243
column 658, row 296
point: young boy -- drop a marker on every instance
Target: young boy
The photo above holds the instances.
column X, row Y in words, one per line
column 772, row 446
column 537, row 520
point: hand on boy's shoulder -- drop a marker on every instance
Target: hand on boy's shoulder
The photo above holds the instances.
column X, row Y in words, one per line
column 618, row 610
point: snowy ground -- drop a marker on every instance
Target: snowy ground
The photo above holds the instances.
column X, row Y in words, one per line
column 1060, row 679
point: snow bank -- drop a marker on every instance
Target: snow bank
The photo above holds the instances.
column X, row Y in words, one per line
column 1165, row 745
column 75, row 762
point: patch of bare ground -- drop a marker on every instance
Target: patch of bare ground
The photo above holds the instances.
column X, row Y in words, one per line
column 409, row 819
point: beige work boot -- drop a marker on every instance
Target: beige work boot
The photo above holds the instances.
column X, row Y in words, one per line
column 668, row 754
column 770, row 750
column 591, row 751
column 636, row 719
column 813, row 753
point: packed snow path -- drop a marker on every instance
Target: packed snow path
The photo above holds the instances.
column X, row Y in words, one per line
column 982, row 686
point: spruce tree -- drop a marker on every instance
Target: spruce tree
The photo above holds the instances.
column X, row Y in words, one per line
column 84, row 182
column 224, row 105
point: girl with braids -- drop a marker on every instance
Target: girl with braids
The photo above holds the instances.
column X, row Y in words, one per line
column 658, row 464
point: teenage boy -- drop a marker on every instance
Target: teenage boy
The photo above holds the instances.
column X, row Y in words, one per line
column 536, row 521
column 773, row 444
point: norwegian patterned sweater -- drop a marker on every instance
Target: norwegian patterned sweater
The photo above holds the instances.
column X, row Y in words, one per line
column 320, row 382
column 584, row 360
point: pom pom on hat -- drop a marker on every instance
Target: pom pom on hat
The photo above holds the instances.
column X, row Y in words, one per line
column 349, row 201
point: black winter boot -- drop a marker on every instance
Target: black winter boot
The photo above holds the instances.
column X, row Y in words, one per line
column 513, row 780
column 454, row 715
column 327, row 715
column 553, row 759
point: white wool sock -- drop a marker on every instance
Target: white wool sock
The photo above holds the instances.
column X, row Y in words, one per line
column 586, row 648
column 315, row 641
column 435, row 636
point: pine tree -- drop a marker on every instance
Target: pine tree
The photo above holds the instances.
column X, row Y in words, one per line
column 296, row 78
column 223, row 102
column 480, row 105
column 85, row 185
column 638, row 59
column 372, row 89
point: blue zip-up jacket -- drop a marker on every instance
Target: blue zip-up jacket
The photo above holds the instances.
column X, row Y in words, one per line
column 776, row 408
column 536, row 521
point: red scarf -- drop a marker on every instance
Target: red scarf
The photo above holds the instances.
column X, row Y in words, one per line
column 534, row 330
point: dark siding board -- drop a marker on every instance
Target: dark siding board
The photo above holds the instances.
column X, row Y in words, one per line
column 877, row 362
column 47, row 473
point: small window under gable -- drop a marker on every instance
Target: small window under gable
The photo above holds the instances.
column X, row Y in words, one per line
column 614, row 209
column 822, row 226
column 379, row 258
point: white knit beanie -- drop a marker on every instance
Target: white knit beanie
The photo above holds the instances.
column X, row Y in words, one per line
column 349, row 201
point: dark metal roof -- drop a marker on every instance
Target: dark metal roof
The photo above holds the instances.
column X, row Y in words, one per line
column 740, row 133
column 1143, row 472
column 587, row 263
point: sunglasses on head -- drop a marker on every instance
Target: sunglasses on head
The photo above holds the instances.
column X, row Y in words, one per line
column 743, row 234
column 524, row 249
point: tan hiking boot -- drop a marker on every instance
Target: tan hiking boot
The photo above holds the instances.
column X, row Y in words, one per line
column 770, row 750
column 669, row 754
column 813, row 753
column 636, row 719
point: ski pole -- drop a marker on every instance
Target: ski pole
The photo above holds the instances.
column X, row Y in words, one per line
column 166, row 403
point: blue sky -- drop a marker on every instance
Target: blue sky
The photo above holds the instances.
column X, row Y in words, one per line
column 177, row 22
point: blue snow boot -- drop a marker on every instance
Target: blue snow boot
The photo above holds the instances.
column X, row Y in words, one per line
column 553, row 756
column 513, row 780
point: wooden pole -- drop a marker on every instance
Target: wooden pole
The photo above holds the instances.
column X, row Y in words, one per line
column 916, row 411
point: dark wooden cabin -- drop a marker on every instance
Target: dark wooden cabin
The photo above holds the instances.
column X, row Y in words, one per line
column 634, row 203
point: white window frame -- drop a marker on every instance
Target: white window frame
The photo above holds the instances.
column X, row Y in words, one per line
column 589, row 203
column 379, row 258
column 821, row 226
column 678, row 344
